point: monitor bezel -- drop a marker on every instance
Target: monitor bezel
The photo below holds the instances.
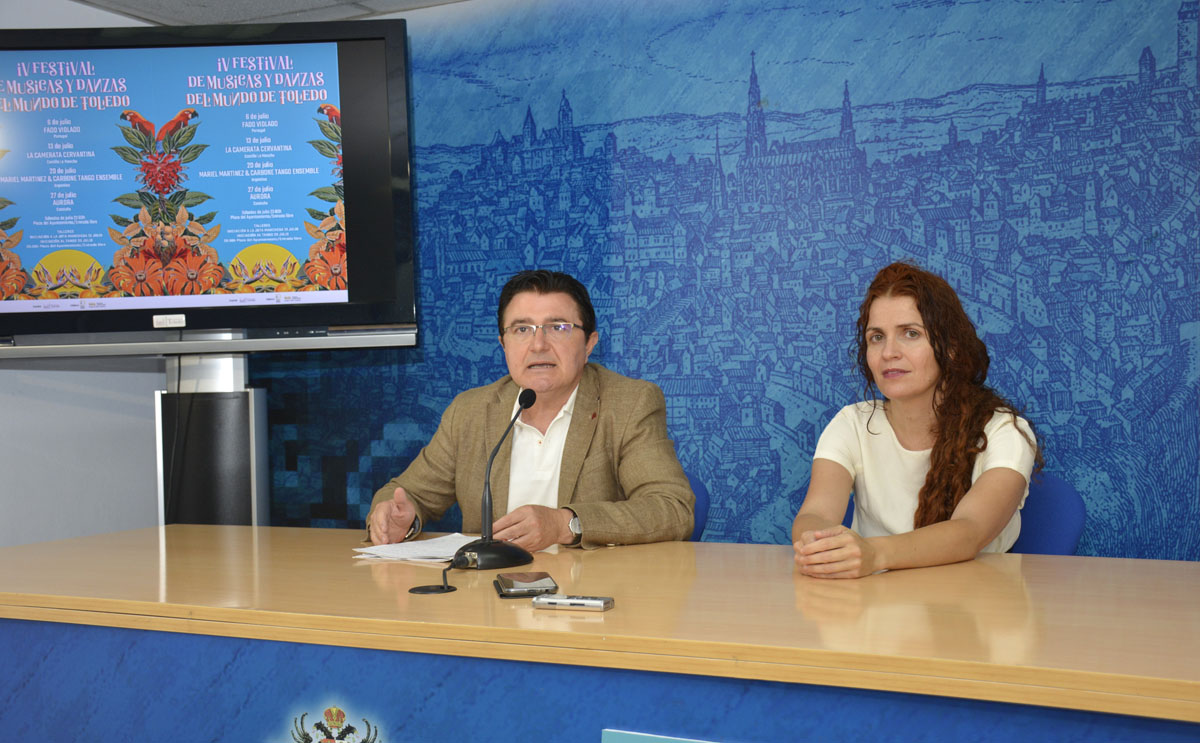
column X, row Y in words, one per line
column 383, row 191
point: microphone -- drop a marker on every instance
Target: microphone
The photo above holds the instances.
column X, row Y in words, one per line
column 486, row 553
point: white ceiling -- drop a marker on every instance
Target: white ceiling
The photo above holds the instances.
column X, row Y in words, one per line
column 203, row 12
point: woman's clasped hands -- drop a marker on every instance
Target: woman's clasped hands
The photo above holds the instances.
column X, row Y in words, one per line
column 836, row 552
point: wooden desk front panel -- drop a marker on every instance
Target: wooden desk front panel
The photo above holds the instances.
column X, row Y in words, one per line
column 76, row 682
column 1108, row 635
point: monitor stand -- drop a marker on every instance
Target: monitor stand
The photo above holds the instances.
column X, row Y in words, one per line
column 212, row 443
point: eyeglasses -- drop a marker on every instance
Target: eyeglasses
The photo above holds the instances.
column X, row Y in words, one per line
column 555, row 331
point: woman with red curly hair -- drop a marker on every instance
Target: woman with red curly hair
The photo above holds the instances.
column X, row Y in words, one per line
column 940, row 467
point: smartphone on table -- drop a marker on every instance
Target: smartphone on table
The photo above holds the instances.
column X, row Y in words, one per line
column 523, row 585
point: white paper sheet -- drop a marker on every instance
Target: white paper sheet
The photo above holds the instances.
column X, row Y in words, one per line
column 438, row 549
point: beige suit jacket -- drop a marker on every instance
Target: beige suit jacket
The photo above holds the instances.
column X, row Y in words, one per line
column 619, row 469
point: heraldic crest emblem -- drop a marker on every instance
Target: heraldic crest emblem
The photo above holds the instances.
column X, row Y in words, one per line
column 332, row 729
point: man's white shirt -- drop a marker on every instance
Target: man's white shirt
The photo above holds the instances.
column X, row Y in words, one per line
column 537, row 459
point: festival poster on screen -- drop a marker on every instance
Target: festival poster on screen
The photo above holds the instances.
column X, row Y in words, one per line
column 171, row 177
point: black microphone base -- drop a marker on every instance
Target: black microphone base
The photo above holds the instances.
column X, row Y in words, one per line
column 434, row 588
column 490, row 554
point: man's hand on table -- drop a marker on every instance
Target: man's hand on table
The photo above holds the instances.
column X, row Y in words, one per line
column 390, row 521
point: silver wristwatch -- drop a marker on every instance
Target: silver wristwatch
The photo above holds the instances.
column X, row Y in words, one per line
column 575, row 528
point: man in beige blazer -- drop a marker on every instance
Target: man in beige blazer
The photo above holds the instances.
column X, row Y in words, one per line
column 589, row 463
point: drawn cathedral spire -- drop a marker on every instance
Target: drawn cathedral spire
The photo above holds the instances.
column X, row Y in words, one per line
column 1041, row 85
column 566, row 119
column 529, row 129
column 1147, row 69
column 756, row 119
column 718, row 183
column 847, row 116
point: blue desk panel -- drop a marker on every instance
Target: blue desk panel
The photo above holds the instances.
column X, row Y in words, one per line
column 65, row 682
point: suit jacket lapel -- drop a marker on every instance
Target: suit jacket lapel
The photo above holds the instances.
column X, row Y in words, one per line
column 579, row 436
column 499, row 413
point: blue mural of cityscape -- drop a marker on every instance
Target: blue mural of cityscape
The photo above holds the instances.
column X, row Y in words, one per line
column 727, row 241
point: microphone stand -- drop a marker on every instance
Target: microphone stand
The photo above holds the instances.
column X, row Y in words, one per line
column 486, row 553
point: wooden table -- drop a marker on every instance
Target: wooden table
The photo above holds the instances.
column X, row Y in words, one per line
column 1036, row 633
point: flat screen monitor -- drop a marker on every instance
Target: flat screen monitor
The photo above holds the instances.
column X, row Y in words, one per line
column 166, row 180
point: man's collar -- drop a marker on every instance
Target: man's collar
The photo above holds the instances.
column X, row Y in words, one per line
column 565, row 412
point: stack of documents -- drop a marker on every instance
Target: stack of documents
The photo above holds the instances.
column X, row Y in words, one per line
column 436, row 550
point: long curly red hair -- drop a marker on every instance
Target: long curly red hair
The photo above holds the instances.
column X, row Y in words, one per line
column 963, row 403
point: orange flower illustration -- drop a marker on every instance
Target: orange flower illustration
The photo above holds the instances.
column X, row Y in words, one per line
column 12, row 279
column 328, row 269
column 140, row 275
column 191, row 274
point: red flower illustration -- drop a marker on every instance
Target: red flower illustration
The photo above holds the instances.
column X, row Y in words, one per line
column 161, row 172
column 140, row 275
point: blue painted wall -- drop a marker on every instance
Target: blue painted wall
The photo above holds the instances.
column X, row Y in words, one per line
column 727, row 177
